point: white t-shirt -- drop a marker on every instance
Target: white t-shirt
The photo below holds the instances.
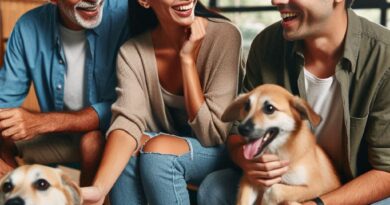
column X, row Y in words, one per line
column 74, row 43
column 324, row 95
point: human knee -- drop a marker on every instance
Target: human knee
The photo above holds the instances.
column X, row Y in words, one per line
column 218, row 188
column 165, row 144
column 92, row 142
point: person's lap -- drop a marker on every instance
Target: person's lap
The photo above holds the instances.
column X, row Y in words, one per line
column 221, row 188
column 197, row 163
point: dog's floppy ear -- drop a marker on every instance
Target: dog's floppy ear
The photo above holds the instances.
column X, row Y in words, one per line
column 306, row 111
column 72, row 189
column 233, row 111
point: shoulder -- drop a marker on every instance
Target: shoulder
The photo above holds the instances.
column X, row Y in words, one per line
column 269, row 35
column 135, row 50
column 218, row 27
column 37, row 17
column 374, row 31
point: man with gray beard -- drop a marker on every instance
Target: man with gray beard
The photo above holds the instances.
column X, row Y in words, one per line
column 67, row 49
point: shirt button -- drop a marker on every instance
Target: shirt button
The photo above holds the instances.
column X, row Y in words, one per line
column 59, row 87
column 61, row 61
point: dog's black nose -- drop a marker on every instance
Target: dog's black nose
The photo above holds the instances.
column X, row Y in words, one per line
column 246, row 128
column 15, row 201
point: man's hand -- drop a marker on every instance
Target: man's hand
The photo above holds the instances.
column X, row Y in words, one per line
column 19, row 124
column 265, row 170
column 92, row 195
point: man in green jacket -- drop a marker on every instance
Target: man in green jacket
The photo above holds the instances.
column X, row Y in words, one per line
column 340, row 63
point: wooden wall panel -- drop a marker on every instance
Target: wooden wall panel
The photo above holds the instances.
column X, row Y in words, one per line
column 10, row 11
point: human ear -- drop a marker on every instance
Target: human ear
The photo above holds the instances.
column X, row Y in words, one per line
column 144, row 3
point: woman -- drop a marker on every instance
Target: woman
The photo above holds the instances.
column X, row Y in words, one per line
column 176, row 76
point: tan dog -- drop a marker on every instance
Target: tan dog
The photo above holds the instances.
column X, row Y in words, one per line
column 38, row 185
column 273, row 121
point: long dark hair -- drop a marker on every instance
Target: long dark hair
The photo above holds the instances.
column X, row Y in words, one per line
column 142, row 19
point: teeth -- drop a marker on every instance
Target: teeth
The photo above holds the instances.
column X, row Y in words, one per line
column 287, row 15
column 185, row 7
column 88, row 5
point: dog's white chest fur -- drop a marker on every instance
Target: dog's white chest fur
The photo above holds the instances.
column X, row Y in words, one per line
column 296, row 176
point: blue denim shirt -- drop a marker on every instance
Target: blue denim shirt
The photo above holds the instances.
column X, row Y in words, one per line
column 34, row 53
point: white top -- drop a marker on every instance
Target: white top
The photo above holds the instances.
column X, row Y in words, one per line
column 74, row 43
column 324, row 95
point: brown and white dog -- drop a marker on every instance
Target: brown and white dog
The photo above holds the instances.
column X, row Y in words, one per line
column 274, row 121
column 38, row 185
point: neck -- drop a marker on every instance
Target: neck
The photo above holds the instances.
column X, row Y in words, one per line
column 169, row 36
column 322, row 52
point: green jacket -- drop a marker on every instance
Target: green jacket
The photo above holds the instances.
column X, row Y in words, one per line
column 364, row 76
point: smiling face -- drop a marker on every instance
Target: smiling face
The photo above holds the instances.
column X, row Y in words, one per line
column 80, row 14
column 38, row 185
column 305, row 18
column 178, row 12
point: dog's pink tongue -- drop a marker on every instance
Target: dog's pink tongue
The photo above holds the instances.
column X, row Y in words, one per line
column 251, row 149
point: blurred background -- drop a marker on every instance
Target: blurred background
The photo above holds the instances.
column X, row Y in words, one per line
column 251, row 16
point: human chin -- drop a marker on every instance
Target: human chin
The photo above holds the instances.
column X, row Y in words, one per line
column 89, row 23
column 91, row 18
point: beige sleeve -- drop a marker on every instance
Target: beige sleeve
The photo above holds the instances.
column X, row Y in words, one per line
column 221, row 87
column 130, row 109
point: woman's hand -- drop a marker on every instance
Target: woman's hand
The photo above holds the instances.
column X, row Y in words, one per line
column 92, row 195
column 194, row 37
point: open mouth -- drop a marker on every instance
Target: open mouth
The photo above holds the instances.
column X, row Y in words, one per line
column 257, row 146
column 184, row 10
column 90, row 8
column 288, row 16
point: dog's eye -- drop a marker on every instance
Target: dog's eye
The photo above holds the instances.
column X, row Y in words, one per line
column 268, row 108
column 41, row 185
column 247, row 106
column 7, row 187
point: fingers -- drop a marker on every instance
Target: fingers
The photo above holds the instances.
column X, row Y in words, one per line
column 91, row 194
column 6, row 113
column 7, row 123
column 270, row 165
column 198, row 29
column 272, row 174
column 266, row 182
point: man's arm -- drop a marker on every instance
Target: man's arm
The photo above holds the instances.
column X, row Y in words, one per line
column 20, row 124
column 365, row 189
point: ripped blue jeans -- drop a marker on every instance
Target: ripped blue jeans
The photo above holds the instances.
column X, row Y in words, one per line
column 156, row 178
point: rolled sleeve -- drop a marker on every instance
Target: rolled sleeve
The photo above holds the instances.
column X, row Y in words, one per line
column 378, row 127
column 103, row 110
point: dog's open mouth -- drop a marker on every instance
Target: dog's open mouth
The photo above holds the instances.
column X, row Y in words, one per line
column 256, row 147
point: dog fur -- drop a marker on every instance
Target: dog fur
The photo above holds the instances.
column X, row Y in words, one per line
column 271, row 116
column 38, row 185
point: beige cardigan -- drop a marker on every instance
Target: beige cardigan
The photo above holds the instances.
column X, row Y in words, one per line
column 140, row 106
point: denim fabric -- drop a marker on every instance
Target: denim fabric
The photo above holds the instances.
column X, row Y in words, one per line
column 128, row 190
column 35, row 54
column 164, row 177
column 383, row 202
column 221, row 188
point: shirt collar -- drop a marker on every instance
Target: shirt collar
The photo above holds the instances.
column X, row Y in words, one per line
column 352, row 39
